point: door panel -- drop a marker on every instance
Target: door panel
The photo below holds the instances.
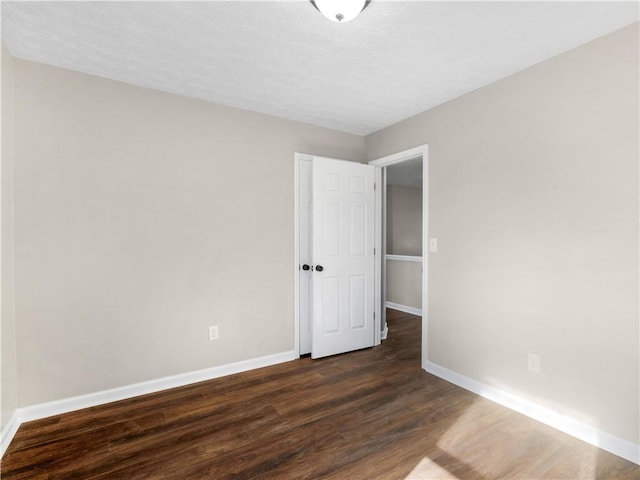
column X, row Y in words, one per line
column 342, row 244
column 330, row 227
column 330, row 304
column 358, row 230
column 358, row 299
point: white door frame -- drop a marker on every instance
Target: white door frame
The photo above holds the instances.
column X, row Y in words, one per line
column 410, row 154
column 297, row 158
column 422, row 150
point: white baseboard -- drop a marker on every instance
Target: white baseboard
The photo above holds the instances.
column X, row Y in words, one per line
column 385, row 332
column 57, row 407
column 403, row 308
column 9, row 431
column 587, row 433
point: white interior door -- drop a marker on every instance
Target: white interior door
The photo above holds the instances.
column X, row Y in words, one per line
column 343, row 234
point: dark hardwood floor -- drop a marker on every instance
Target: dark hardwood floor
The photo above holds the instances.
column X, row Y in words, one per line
column 371, row 414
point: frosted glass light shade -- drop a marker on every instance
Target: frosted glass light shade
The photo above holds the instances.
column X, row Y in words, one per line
column 340, row 10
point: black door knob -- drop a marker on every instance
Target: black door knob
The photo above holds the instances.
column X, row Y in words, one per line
column 319, row 268
column 306, row 267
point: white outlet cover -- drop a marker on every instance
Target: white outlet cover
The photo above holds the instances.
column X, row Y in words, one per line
column 534, row 363
column 213, row 332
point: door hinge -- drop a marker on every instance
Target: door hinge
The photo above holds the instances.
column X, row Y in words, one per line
column 374, row 185
column 374, row 250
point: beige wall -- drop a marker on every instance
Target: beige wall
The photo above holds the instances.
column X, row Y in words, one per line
column 141, row 218
column 8, row 396
column 534, row 201
column 404, row 283
column 404, row 220
column 404, row 237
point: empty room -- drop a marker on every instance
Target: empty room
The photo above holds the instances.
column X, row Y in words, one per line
column 293, row 239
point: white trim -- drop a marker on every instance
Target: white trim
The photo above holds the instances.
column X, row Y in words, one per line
column 404, row 308
column 425, row 252
column 378, row 314
column 400, row 157
column 9, row 431
column 404, row 258
column 297, row 157
column 385, row 332
column 382, row 236
column 568, row 425
column 410, row 154
column 66, row 405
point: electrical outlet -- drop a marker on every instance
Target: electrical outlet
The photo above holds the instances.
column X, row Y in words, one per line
column 534, row 363
column 213, row 332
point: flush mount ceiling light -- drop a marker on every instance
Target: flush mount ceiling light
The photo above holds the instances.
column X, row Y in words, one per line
column 340, row 10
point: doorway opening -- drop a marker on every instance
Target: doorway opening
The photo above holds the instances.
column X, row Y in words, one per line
column 404, row 213
column 403, row 253
column 303, row 261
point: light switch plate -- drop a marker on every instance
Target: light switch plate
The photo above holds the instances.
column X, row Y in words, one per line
column 433, row 245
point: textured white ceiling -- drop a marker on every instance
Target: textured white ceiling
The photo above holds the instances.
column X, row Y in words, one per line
column 283, row 58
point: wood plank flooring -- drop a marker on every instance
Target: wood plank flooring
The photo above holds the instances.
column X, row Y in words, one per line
column 371, row 414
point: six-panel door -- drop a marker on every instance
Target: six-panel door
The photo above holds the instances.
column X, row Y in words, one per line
column 343, row 256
